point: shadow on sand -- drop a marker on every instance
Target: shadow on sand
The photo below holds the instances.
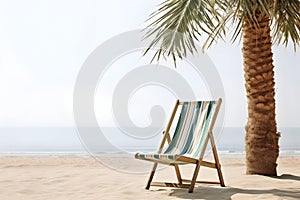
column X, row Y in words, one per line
column 288, row 177
column 212, row 193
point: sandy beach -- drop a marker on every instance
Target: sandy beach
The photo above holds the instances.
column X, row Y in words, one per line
column 87, row 178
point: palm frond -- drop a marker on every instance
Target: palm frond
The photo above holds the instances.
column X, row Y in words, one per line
column 286, row 22
column 239, row 11
column 177, row 24
column 285, row 16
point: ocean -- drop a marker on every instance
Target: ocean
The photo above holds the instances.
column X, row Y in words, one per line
column 67, row 142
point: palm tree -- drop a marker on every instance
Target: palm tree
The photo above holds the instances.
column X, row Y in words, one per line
column 253, row 21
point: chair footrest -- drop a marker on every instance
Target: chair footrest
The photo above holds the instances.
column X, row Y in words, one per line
column 177, row 185
column 206, row 182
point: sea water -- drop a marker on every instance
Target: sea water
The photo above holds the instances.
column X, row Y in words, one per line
column 68, row 142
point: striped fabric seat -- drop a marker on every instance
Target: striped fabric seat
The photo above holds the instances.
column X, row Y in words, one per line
column 189, row 136
column 187, row 146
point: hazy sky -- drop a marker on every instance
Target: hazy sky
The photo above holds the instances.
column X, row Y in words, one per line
column 45, row 42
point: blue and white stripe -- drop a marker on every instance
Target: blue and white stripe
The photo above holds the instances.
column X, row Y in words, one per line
column 189, row 136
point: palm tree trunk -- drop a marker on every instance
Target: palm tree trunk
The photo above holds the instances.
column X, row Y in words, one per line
column 262, row 147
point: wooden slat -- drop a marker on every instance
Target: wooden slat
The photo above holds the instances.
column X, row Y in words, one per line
column 161, row 146
column 158, row 161
column 213, row 145
column 186, row 159
column 208, row 182
column 178, row 175
column 151, row 176
column 193, row 181
column 181, row 159
column 162, row 184
column 205, row 182
column 218, row 165
column 208, row 164
column 167, row 135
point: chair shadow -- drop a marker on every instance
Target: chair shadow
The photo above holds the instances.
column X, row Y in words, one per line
column 213, row 193
column 287, row 177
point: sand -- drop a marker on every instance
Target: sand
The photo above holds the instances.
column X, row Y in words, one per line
column 86, row 178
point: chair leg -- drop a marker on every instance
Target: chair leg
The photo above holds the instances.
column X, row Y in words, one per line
column 217, row 161
column 222, row 183
column 178, row 174
column 151, row 176
column 218, row 166
column 191, row 188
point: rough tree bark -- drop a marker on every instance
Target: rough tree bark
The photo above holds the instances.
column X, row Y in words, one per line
column 262, row 147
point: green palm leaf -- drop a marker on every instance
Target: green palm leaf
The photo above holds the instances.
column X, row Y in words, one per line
column 286, row 22
column 177, row 24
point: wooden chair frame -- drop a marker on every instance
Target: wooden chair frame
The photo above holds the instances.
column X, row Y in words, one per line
column 198, row 162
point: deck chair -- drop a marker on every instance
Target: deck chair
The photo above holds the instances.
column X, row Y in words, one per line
column 188, row 144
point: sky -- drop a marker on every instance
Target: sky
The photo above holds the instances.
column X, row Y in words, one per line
column 45, row 42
